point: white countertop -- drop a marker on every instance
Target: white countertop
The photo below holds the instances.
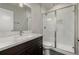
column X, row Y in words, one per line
column 10, row 41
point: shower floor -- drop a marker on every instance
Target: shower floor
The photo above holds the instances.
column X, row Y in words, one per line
column 52, row 52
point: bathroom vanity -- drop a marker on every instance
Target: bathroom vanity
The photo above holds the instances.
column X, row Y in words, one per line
column 30, row 45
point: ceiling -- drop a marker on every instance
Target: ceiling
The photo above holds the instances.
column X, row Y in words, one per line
column 47, row 5
column 43, row 5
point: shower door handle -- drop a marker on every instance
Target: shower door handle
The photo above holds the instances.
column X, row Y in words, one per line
column 55, row 39
column 73, row 47
column 44, row 27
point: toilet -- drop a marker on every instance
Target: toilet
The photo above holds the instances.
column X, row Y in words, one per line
column 46, row 46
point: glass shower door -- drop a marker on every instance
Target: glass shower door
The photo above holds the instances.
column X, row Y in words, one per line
column 49, row 27
column 65, row 29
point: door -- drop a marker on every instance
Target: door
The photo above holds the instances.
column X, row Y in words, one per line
column 49, row 27
column 65, row 29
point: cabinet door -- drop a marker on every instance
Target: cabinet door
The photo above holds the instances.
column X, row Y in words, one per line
column 49, row 24
column 65, row 29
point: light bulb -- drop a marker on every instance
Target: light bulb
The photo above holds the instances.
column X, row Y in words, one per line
column 49, row 19
column 21, row 4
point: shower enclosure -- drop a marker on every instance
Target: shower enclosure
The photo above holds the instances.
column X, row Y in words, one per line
column 60, row 28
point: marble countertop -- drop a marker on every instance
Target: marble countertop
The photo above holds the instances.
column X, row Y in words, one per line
column 10, row 41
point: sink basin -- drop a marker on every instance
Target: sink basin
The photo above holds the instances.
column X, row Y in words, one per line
column 24, row 37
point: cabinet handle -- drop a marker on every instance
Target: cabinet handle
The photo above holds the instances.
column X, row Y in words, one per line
column 40, row 47
column 78, row 40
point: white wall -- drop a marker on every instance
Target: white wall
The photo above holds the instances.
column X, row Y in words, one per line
column 37, row 21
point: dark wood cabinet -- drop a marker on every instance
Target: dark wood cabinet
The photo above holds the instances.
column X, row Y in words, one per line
column 33, row 47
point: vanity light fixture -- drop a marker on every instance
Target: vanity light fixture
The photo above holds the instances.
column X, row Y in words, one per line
column 21, row 4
